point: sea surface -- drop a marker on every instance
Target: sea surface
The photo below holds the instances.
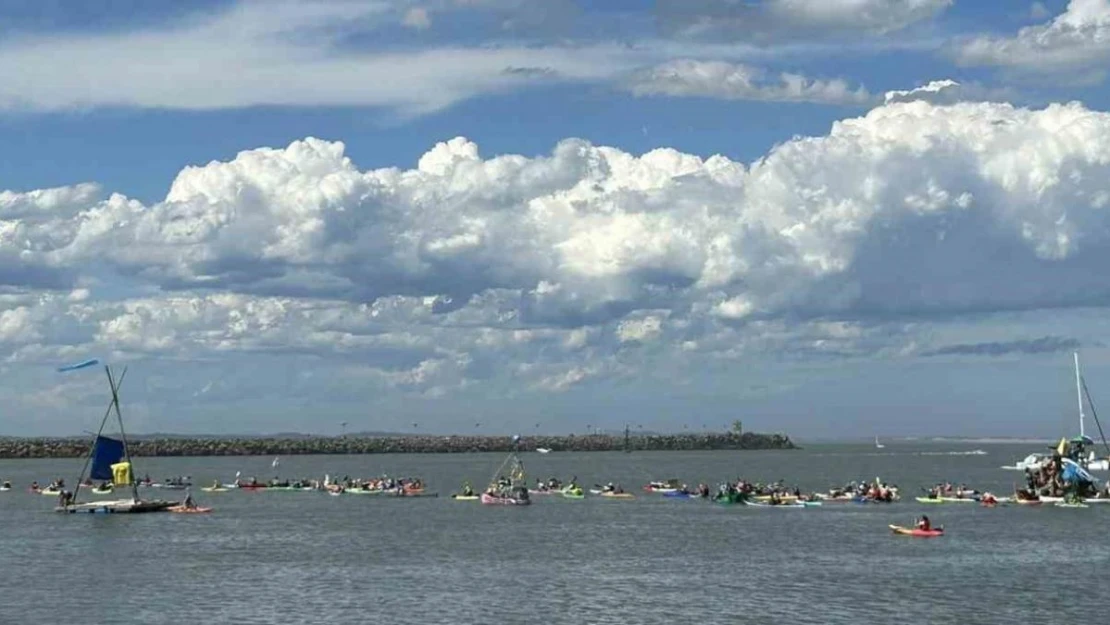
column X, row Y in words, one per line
column 305, row 557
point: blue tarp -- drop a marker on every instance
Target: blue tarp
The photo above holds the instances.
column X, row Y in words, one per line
column 1074, row 473
column 106, row 452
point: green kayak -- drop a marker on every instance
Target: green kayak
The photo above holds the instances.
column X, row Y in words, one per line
column 574, row 495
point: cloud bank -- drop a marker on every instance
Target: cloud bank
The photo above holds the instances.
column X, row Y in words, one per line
column 584, row 264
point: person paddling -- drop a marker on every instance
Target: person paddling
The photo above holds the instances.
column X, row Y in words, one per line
column 924, row 524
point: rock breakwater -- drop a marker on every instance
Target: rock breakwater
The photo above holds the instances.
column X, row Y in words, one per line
column 427, row 444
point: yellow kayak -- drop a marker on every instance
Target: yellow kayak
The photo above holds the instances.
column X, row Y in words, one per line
column 465, row 497
column 618, row 495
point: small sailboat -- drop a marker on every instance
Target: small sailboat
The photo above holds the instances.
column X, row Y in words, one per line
column 879, row 445
column 511, row 491
column 110, row 459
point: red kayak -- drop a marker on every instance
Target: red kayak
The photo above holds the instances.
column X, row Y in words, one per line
column 913, row 531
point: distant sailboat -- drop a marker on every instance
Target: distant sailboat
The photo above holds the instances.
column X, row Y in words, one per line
column 879, row 445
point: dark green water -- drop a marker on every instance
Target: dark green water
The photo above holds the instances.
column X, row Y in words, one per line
column 292, row 557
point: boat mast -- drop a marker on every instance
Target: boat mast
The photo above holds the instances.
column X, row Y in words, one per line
column 92, row 449
column 122, row 433
column 1079, row 394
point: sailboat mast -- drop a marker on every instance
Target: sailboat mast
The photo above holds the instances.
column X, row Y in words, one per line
column 1079, row 394
column 122, row 433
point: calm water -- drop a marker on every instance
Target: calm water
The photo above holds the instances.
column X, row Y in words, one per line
column 289, row 557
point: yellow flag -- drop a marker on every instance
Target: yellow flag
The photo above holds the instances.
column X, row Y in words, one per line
column 1062, row 448
column 121, row 474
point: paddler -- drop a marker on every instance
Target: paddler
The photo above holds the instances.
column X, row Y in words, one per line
column 189, row 504
column 924, row 524
column 467, row 489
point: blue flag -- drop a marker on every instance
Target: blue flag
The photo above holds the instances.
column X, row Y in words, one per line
column 80, row 365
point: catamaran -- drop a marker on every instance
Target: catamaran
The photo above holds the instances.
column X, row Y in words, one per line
column 110, row 459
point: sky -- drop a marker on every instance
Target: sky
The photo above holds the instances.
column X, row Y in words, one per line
column 829, row 218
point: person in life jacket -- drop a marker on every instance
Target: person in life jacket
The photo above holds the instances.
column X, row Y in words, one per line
column 924, row 524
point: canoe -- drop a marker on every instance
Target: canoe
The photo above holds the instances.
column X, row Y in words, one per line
column 465, row 497
column 184, row 510
column 913, row 531
column 214, row 489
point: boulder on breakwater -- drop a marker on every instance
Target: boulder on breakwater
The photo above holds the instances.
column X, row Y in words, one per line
column 427, row 444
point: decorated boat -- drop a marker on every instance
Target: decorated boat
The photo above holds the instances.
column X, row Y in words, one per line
column 511, row 490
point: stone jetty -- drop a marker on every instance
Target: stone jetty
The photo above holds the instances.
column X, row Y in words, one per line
column 427, row 444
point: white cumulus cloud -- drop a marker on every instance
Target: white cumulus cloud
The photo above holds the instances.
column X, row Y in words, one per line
column 1077, row 39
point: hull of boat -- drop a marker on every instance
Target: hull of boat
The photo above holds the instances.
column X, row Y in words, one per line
column 491, row 500
column 122, row 506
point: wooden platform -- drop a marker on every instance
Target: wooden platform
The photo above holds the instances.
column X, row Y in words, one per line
column 119, row 506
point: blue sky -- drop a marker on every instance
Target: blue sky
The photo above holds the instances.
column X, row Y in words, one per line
column 286, row 214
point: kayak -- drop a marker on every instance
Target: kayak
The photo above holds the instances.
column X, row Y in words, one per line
column 465, row 497
column 929, row 499
column 1061, row 504
column 679, row 495
column 98, row 491
column 617, row 495
column 184, row 510
column 755, row 504
column 920, row 533
column 214, row 489
column 571, row 495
